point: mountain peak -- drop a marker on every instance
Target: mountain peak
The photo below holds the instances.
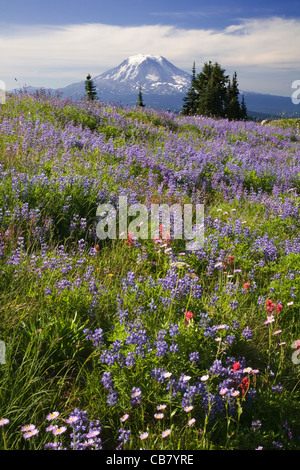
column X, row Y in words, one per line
column 153, row 73
column 139, row 58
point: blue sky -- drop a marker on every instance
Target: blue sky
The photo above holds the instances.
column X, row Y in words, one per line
column 55, row 43
column 181, row 13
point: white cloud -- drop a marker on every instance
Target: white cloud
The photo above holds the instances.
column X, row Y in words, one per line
column 64, row 54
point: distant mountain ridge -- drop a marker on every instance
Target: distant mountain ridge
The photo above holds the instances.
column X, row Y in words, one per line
column 164, row 86
column 265, row 105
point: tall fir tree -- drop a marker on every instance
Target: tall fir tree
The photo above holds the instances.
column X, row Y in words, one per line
column 201, row 86
column 140, row 98
column 211, row 85
column 90, row 88
column 233, row 109
column 244, row 115
column 190, row 105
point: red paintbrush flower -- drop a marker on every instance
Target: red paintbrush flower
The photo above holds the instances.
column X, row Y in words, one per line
column 245, row 385
column 270, row 306
column 130, row 239
column 188, row 316
column 278, row 308
column 236, row 366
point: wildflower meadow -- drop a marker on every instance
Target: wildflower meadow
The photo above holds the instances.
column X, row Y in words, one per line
column 136, row 343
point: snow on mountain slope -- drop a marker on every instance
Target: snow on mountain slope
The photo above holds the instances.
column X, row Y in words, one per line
column 153, row 73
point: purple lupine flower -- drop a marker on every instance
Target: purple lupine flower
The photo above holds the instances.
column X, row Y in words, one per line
column 84, row 429
column 112, row 398
column 234, row 304
column 107, row 380
column 130, row 359
column 277, row 388
column 173, row 330
column 194, row 357
column 83, row 224
column 136, row 396
column 124, row 437
column 247, row 333
column 95, row 336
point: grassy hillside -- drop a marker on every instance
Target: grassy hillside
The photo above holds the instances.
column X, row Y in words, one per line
column 140, row 343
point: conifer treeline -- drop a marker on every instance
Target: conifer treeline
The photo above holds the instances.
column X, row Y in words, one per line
column 213, row 94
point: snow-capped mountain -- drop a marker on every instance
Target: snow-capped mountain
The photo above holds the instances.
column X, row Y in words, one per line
column 162, row 83
column 153, row 73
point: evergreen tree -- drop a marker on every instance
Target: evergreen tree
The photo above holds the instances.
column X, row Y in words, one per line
column 201, row 87
column 140, row 98
column 191, row 99
column 243, row 109
column 90, row 88
column 233, row 109
column 211, row 85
